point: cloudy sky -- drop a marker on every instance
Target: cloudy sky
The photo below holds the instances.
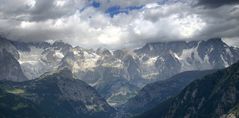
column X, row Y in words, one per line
column 119, row 23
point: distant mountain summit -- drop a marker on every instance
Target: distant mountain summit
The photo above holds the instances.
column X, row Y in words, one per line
column 179, row 56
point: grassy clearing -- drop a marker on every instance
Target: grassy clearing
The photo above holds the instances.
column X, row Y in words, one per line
column 19, row 106
column 16, row 91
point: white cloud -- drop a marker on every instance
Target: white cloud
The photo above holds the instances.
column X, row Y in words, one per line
column 60, row 3
column 92, row 27
column 31, row 3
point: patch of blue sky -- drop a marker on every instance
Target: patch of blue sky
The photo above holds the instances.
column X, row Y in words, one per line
column 114, row 10
column 95, row 4
column 92, row 3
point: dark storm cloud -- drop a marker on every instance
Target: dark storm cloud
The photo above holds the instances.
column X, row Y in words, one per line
column 217, row 3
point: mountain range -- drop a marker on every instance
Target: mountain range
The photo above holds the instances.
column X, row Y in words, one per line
column 44, row 78
column 121, row 73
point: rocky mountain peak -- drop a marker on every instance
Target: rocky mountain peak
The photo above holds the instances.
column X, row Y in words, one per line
column 66, row 73
column 103, row 51
column 60, row 44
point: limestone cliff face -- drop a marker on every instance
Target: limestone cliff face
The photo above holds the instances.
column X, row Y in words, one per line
column 10, row 69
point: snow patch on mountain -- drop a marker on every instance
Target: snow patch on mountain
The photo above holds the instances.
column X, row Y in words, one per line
column 58, row 54
column 175, row 55
column 151, row 61
column 224, row 61
column 31, row 63
column 32, row 57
